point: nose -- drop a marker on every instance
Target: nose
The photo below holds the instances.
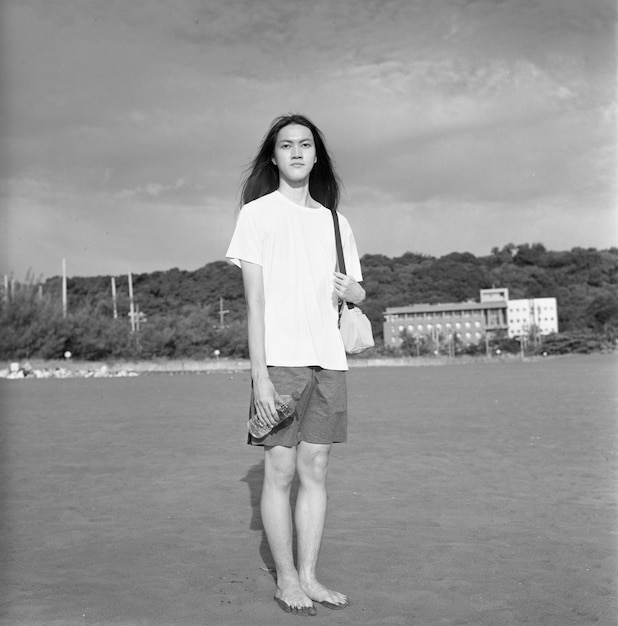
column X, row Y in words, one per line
column 296, row 152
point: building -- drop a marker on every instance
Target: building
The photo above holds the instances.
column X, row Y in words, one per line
column 537, row 315
column 471, row 322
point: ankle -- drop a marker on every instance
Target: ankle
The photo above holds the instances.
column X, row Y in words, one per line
column 288, row 579
column 306, row 578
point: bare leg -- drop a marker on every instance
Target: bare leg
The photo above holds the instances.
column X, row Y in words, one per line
column 310, row 514
column 279, row 470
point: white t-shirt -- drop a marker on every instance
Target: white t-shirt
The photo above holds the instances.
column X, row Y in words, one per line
column 295, row 246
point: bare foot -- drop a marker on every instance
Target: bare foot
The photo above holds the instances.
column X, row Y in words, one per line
column 292, row 599
column 321, row 594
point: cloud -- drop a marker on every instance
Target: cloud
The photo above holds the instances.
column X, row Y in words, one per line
column 103, row 235
column 432, row 108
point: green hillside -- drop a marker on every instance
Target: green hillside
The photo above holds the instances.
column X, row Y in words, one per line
column 181, row 310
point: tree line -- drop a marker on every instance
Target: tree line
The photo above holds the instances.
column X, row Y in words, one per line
column 182, row 314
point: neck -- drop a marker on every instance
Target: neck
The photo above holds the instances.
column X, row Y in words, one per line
column 298, row 195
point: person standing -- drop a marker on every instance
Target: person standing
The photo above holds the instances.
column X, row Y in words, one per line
column 284, row 243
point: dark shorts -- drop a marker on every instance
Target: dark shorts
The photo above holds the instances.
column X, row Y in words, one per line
column 321, row 414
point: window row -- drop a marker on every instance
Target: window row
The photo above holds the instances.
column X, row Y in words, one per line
column 438, row 327
column 432, row 315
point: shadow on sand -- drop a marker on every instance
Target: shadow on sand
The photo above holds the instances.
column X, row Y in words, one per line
column 254, row 478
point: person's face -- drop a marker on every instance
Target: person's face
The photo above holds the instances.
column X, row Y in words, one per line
column 294, row 153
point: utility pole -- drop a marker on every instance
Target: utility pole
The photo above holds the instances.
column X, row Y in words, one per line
column 222, row 312
column 131, row 303
column 114, row 301
column 522, row 341
column 64, row 288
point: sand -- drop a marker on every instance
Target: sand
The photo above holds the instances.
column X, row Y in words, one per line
column 481, row 494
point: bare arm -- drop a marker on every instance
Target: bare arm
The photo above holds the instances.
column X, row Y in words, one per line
column 263, row 389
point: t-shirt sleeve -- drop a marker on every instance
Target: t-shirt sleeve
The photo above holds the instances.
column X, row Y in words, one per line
column 247, row 240
column 350, row 252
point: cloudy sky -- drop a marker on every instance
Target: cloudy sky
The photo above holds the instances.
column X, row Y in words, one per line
column 456, row 125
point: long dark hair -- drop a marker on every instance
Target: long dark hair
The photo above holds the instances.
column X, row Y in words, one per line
column 263, row 176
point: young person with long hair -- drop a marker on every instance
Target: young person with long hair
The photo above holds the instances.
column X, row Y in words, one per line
column 284, row 243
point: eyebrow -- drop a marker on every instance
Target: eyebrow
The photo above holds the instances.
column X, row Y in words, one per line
column 295, row 140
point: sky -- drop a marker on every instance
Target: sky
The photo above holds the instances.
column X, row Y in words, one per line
column 455, row 125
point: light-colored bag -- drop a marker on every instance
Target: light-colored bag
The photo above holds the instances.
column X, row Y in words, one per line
column 355, row 329
column 354, row 325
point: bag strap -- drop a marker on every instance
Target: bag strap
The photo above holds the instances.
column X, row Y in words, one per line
column 340, row 259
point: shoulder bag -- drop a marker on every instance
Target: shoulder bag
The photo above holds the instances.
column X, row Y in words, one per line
column 354, row 326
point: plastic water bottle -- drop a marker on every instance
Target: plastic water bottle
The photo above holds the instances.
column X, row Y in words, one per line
column 286, row 405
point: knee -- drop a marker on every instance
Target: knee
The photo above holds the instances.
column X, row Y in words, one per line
column 279, row 475
column 313, row 467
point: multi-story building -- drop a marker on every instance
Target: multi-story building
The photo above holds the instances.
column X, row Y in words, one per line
column 471, row 322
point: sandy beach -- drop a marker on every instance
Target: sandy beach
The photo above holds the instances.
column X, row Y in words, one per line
column 481, row 495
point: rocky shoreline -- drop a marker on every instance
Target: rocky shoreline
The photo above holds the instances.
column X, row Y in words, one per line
column 33, row 369
column 20, row 371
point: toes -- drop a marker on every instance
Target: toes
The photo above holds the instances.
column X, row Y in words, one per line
column 303, row 610
column 336, row 602
column 296, row 609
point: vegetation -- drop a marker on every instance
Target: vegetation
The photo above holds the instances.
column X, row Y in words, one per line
column 190, row 314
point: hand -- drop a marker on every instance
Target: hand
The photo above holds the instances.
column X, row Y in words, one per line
column 264, row 400
column 348, row 289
